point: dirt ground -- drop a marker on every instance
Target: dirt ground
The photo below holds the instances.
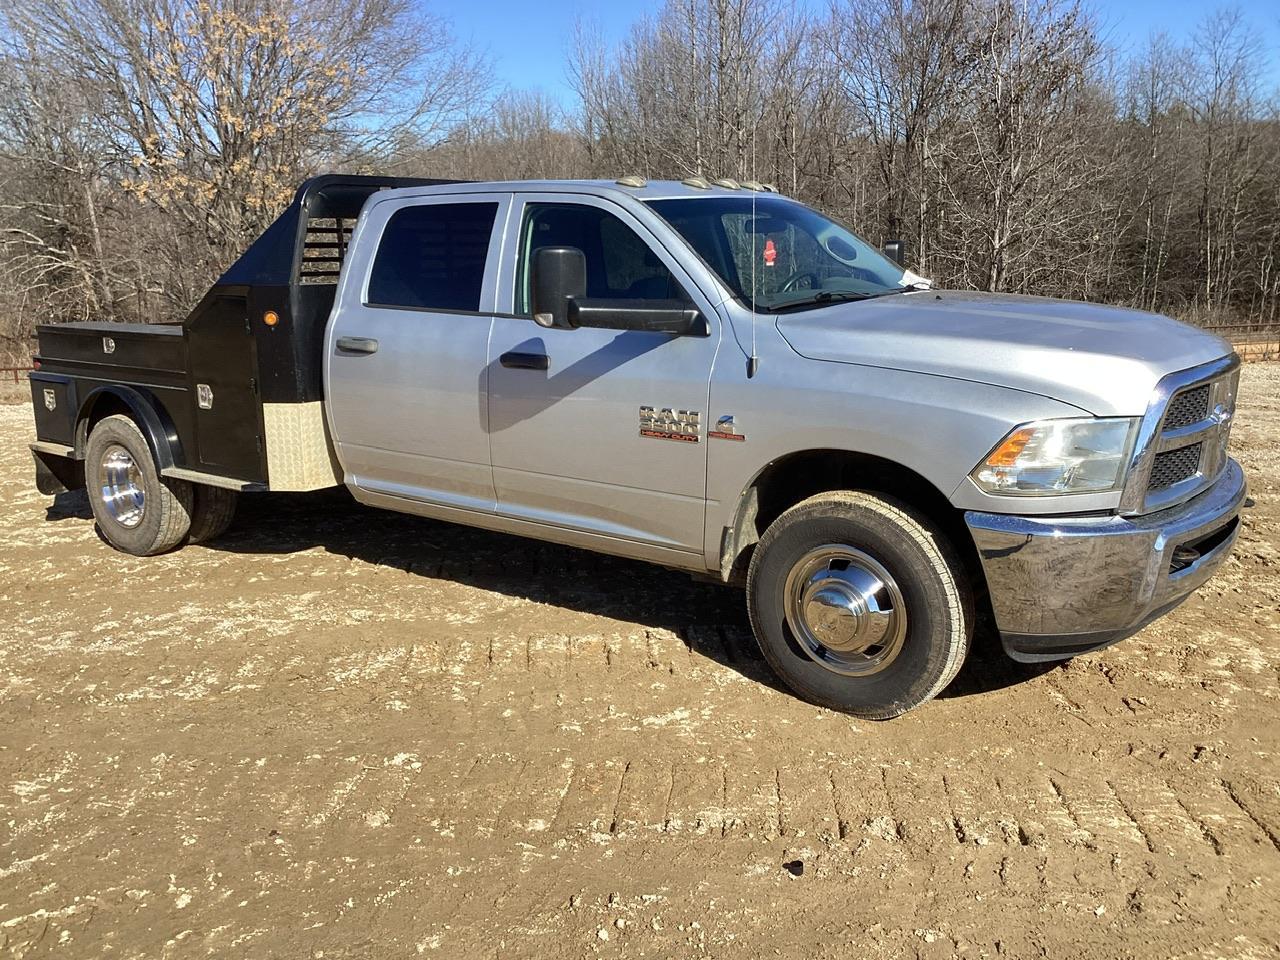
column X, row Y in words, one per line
column 345, row 733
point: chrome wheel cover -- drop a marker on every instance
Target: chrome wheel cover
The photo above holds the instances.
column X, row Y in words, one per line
column 845, row 610
column 123, row 495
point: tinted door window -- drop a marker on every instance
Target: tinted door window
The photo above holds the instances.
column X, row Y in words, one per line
column 620, row 265
column 432, row 257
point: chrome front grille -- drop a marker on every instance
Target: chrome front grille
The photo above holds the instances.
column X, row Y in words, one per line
column 1174, row 466
column 1182, row 445
column 1188, row 407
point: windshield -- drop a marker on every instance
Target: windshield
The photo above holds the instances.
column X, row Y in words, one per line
column 774, row 253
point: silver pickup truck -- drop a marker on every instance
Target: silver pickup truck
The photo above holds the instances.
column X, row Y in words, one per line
column 710, row 377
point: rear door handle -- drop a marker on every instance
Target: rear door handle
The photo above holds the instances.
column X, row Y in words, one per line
column 357, row 345
column 525, row 361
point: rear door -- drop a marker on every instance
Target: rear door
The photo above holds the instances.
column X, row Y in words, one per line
column 407, row 347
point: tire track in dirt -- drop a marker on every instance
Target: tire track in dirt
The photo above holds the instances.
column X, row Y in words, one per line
column 345, row 731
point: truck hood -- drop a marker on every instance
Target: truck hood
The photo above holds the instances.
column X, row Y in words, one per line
column 1105, row 360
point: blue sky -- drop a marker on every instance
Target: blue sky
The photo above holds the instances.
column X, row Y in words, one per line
column 528, row 41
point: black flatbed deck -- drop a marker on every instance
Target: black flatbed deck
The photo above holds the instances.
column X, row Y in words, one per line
column 199, row 388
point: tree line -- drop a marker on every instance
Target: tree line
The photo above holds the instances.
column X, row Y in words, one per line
column 143, row 143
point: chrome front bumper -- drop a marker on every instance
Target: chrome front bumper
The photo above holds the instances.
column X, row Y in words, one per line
column 1061, row 586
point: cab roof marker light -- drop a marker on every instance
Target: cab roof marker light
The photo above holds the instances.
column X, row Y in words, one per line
column 728, row 183
column 632, row 180
column 755, row 185
column 697, row 182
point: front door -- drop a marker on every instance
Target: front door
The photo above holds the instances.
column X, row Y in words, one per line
column 600, row 430
column 407, row 378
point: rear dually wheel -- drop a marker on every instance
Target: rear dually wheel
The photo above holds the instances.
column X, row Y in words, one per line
column 137, row 510
column 212, row 512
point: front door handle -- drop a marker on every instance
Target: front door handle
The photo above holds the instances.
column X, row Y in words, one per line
column 525, row 361
column 357, row 345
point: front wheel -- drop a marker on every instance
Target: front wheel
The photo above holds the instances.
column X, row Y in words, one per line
column 859, row 604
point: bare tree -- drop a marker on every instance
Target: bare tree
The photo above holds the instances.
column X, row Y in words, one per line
column 210, row 112
column 1223, row 94
column 902, row 68
column 710, row 88
column 1024, row 154
column 523, row 135
column 144, row 142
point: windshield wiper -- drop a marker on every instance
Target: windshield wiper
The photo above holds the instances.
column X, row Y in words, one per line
column 824, row 296
column 917, row 287
column 831, row 296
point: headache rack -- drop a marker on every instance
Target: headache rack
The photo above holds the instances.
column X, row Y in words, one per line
column 324, row 248
column 292, row 271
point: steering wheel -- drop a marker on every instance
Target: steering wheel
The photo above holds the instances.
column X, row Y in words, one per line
column 790, row 283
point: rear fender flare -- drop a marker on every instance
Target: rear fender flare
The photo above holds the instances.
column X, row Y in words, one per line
column 156, row 427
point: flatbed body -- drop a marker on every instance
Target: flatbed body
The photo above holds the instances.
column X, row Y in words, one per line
column 227, row 398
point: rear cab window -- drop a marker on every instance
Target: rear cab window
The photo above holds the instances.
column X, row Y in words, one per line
column 432, row 257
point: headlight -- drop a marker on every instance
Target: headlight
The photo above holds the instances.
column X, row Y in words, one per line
column 1054, row 457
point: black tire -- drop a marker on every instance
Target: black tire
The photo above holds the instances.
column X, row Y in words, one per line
column 212, row 513
column 931, row 587
column 165, row 512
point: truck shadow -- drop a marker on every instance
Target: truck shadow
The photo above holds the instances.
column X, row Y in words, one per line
column 710, row 619
column 69, row 505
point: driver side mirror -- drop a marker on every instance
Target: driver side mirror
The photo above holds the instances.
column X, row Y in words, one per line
column 896, row 250
column 559, row 295
column 559, row 278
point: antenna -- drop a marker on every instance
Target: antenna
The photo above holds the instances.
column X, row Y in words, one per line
column 753, row 361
